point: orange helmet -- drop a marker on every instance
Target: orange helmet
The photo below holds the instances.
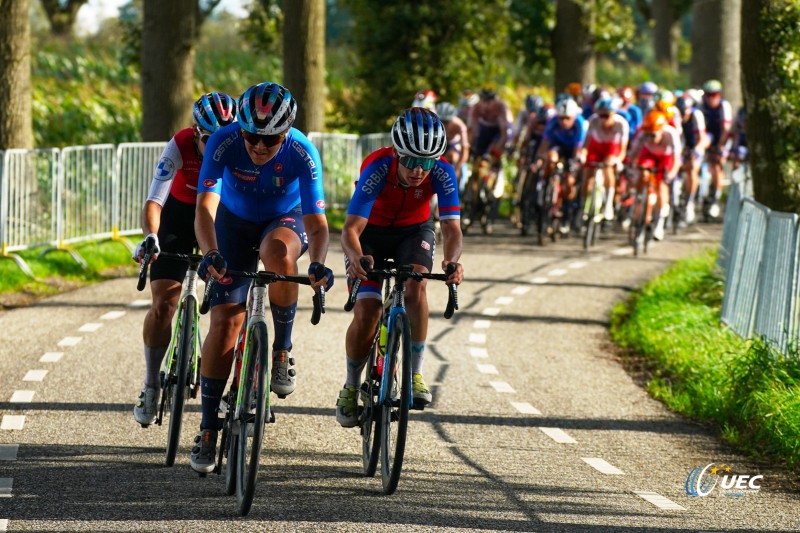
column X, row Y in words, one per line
column 654, row 121
column 574, row 89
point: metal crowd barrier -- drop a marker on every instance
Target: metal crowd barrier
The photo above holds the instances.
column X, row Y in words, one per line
column 135, row 165
column 341, row 161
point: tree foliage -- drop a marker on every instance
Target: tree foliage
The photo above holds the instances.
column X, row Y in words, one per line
column 428, row 44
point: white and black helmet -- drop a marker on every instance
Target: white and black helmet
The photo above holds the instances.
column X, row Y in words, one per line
column 446, row 111
column 418, row 132
column 267, row 109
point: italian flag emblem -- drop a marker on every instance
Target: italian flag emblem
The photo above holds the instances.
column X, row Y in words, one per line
column 277, row 181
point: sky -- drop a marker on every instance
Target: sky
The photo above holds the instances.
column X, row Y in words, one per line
column 95, row 11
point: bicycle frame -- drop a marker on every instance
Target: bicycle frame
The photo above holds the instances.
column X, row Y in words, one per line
column 255, row 312
column 398, row 306
column 189, row 288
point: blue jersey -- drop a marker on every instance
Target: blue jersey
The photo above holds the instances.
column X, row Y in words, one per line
column 259, row 193
column 572, row 138
column 634, row 118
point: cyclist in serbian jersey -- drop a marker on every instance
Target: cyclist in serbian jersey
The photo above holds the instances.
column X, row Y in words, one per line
column 168, row 219
column 607, row 143
column 658, row 146
column 259, row 197
column 694, row 147
column 388, row 218
column 719, row 116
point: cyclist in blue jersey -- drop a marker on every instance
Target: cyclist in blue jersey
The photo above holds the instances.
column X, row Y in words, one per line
column 168, row 219
column 259, row 196
column 563, row 138
column 634, row 111
column 389, row 218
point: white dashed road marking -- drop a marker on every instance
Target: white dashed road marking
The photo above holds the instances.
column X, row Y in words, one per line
column 12, row 422
column 502, row 386
column 90, row 327
column 487, row 369
column 658, row 500
column 482, row 324
column 8, row 452
column 598, row 258
column 491, row 311
column 602, row 466
column 5, row 487
column 477, row 338
column 519, row 291
column 70, row 341
column 137, row 304
column 35, row 375
column 113, row 315
column 525, row 408
column 622, row 251
column 557, row 272
column 4, row 524
column 558, row 435
column 478, row 352
column 576, row 265
column 22, row 396
column 539, row 281
column 51, row 357
column 504, row 300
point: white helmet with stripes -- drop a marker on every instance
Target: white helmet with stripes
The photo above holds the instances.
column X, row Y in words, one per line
column 419, row 132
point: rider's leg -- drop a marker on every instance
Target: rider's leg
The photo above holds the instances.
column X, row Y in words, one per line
column 358, row 339
column 611, row 183
column 157, row 327
column 217, row 356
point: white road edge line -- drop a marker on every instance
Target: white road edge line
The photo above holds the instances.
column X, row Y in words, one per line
column 502, row 386
column 558, row 435
column 8, row 452
column 525, row 408
column 12, row 422
column 478, row 352
column 658, row 500
column 51, row 357
column 22, row 396
column 602, row 466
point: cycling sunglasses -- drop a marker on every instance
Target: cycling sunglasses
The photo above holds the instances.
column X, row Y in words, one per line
column 413, row 162
column 203, row 134
column 604, row 116
column 268, row 140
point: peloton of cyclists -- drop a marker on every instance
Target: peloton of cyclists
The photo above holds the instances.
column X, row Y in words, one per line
column 168, row 218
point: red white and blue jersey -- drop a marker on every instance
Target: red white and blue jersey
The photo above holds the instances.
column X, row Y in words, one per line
column 177, row 170
column 259, row 193
column 381, row 199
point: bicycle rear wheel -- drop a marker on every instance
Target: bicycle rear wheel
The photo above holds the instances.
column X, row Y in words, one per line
column 230, row 445
column 590, row 214
column 254, row 386
column 370, row 420
column 180, row 379
column 394, row 411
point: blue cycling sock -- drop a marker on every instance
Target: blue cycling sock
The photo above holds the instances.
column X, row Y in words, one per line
column 417, row 356
column 211, row 391
column 283, row 320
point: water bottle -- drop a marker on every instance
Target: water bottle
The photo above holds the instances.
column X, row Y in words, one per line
column 381, row 348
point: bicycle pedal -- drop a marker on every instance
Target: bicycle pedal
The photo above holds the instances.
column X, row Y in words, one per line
column 145, row 425
column 418, row 406
column 281, row 396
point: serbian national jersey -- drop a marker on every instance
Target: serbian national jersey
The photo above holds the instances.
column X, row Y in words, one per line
column 381, row 199
column 259, row 193
column 177, row 170
column 603, row 142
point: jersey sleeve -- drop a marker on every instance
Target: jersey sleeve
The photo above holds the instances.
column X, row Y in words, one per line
column 371, row 182
column 445, row 185
column 164, row 174
column 308, row 167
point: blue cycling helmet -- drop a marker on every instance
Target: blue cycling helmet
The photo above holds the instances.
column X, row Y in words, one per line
column 267, row 109
column 648, row 87
column 606, row 103
column 533, row 102
column 561, row 97
column 419, row 132
column 214, row 110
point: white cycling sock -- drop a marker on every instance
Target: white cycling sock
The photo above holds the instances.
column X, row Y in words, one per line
column 417, row 356
column 354, row 369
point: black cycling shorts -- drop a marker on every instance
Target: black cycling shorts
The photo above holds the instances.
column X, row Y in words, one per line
column 175, row 235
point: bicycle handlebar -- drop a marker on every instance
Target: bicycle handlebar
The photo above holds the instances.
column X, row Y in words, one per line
column 402, row 273
column 149, row 247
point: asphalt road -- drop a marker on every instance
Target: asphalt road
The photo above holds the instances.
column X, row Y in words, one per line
column 535, row 424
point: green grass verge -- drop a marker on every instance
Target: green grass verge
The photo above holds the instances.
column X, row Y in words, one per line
column 57, row 270
column 701, row 369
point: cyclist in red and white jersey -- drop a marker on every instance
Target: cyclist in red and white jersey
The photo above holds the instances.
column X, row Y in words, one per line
column 606, row 142
column 388, row 218
column 658, row 147
column 168, row 217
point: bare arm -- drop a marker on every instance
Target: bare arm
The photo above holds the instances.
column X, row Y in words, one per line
column 453, row 245
column 206, row 212
column 318, row 236
column 354, row 226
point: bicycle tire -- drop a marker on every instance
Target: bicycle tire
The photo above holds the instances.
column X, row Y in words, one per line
column 370, row 420
column 179, row 381
column 392, row 457
column 230, row 444
column 638, row 222
column 254, row 386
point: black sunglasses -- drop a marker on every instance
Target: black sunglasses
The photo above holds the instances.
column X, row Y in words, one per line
column 268, row 140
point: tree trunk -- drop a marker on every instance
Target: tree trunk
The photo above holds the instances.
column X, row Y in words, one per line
column 62, row 15
column 715, row 45
column 666, row 34
column 572, row 48
column 771, row 186
column 16, row 128
column 304, row 61
column 169, row 33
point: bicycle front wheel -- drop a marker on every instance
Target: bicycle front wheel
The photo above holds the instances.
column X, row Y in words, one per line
column 394, row 411
column 180, row 378
column 253, row 409
column 370, row 419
